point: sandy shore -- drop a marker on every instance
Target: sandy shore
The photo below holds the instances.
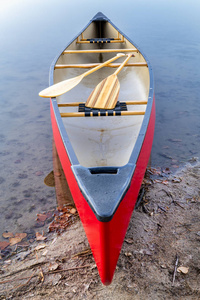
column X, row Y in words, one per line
column 164, row 231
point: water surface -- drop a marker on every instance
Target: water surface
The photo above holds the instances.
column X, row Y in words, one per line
column 32, row 33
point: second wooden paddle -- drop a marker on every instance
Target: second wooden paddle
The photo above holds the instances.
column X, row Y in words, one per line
column 68, row 84
column 105, row 94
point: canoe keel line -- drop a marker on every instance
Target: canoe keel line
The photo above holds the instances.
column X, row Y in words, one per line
column 104, row 188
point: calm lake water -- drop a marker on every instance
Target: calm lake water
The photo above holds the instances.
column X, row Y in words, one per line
column 32, row 33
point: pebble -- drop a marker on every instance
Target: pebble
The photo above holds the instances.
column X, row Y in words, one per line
column 39, row 173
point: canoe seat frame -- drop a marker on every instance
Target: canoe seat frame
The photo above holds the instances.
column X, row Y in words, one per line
column 119, row 110
column 120, row 106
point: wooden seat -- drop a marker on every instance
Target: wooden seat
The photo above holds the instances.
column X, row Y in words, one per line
column 120, row 106
column 100, row 40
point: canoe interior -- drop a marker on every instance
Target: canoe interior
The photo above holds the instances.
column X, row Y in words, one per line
column 103, row 141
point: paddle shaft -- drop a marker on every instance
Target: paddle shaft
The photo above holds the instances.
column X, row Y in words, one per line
column 62, row 87
column 123, row 64
column 102, row 65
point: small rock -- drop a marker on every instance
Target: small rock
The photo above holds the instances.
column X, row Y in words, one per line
column 53, row 267
column 128, row 254
column 72, row 211
column 56, row 279
column 22, row 176
column 39, row 173
column 183, row 270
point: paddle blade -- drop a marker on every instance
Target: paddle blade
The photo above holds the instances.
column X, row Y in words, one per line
column 60, row 87
column 49, row 179
column 105, row 94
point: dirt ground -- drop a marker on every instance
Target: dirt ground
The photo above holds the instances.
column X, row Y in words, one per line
column 163, row 235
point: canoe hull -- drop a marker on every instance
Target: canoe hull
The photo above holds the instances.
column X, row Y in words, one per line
column 104, row 158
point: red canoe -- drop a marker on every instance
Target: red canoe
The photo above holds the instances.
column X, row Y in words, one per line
column 104, row 152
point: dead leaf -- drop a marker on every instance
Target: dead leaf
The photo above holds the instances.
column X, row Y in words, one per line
column 22, row 235
column 157, row 181
column 40, row 237
column 8, row 262
column 3, row 245
column 17, row 238
column 49, row 179
column 129, row 241
column 54, row 240
column 147, row 181
column 45, row 253
column 183, row 270
column 154, row 171
column 53, row 267
column 39, row 247
column 176, row 180
column 165, row 182
column 7, row 235
column 73, row 211
column 14, row 240
column 41, row 217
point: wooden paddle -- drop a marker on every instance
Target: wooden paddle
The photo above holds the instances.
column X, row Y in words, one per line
column 66, row 85
column 105, row 94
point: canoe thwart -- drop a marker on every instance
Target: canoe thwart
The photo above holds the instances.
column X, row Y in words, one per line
column 135, row 102
column 99, row 51
column 101, row 113
column 113, row 65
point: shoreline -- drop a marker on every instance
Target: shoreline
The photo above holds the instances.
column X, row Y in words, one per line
column 165, row 226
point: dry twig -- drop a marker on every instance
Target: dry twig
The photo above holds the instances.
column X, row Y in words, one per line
column 175, row 270
column 69, row 269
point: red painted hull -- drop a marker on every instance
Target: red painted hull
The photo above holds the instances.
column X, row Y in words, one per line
column 106, row 238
